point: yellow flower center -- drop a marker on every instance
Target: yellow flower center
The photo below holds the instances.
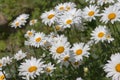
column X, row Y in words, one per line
column 22, row 19
column 79, row 52
column 30, row 33
column 66, row 58
column 61, row 8
column 32, row 21
column 38, row 39
column 57, row 27
column 17, row 23
column 69, row 21
column 48, row 69
column 2, row 77
column 91, row 13
column 68, row 8
column 101, row 34
column 108, row 36
column 117, row 67
column 51, row 16
column 112, row 16
column 60, row 49
column 32, row 69
column 76, row 63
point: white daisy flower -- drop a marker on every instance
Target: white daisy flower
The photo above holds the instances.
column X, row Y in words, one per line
column 80, row 50
column 23, row 18
column 50, row 38
column 90, row 12
column 76, row 13
column 101, row 2
column 65, row 59
column 17, row 23
column 66, row 20
column 19, row 55
column 99, row 34
column 49, row 17
column 49, row 68
column 60, row 7
column 46, row 44
column 76, row 63
column 79, row 78
column 6, row 60
column 31, row 68
column 32, row 22
column 2, row 76
column 112, row 68
column 53, row 38
column 37, row 40
column 20, row 21
column 59, row 48
column 69, row 6
column 58, row 38
column 111, row 14
column 30, row 33
column 58, row 27
column 108, row 37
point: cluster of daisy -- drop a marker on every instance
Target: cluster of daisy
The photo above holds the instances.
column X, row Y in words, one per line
column 101, row 2
column 59, row 47
column 63, row 16
column 31, row 68
column 106, row 14
column 20, row 21
column 101, row 33
column 66, row 15
column 28, row 68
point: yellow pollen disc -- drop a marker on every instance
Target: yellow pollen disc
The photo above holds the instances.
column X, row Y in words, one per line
column 108, row 36
column 76, row 63
column 112, row 16
column 66, row 58
column 101, row 34
column 57, row 27
column 61, row 8
column 17, row 23
column 67, row 8
column 30, row 33
column 48, row 69
column 91, row 13
column 51, row 16
column 32, row 69
column 117, row 67
column 33, row 21
column 79, row 52
column 22, row 19
column 38, row 39
column 2, row 77
column 69, row 21
column 60, row 49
